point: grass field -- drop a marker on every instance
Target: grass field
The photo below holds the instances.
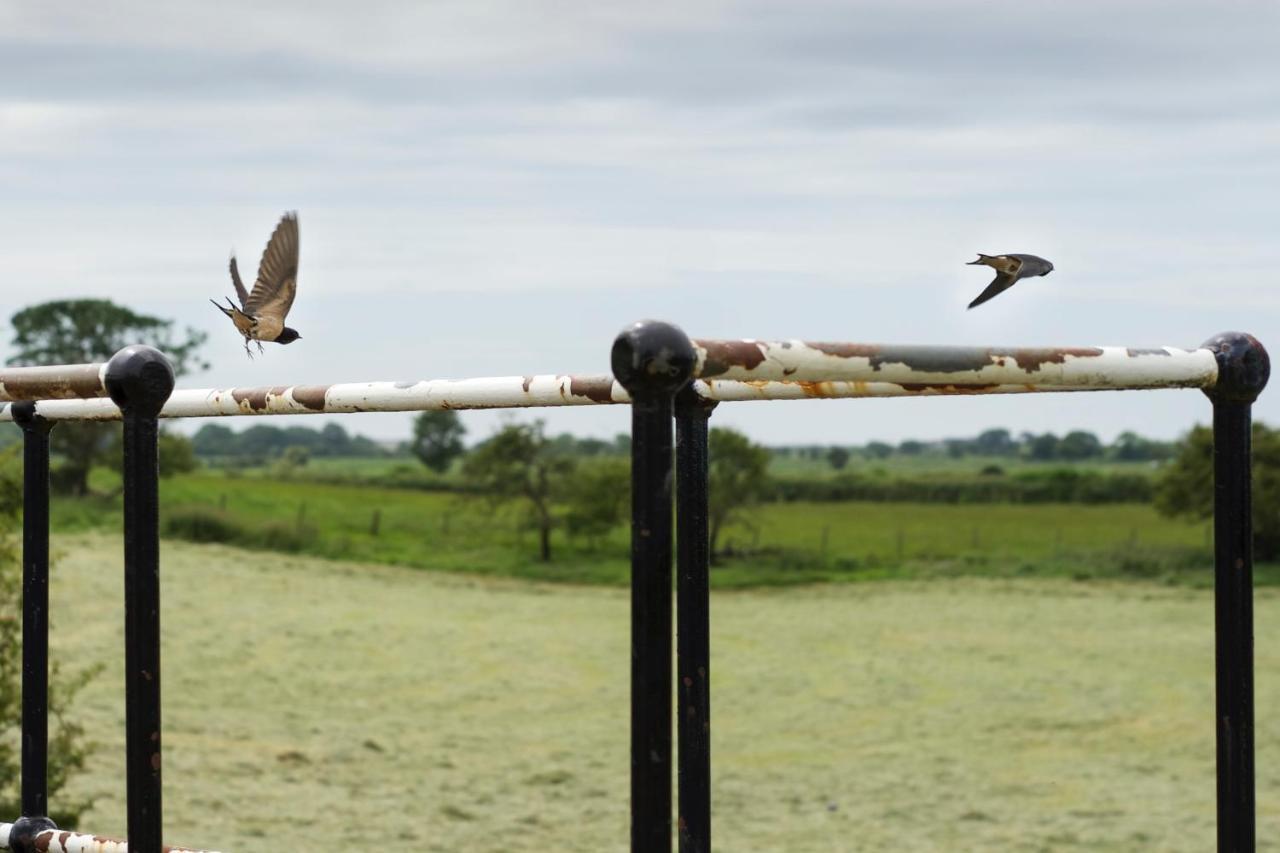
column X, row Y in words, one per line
column 781, row 543
column 372, row 707
column 409, row 467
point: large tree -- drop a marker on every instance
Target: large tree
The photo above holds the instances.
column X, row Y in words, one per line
column 437, row 439
column 519, row 463
column 78, row 331
column 1185, row 486
column 737, row 473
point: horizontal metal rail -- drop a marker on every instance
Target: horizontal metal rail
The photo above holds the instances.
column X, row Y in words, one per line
column 58, row 382
column 59, row 841
column 1053, row 368
column 1115, row 369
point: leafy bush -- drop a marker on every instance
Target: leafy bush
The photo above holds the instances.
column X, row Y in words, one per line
column 1057, row 485
column 281, row 536
column 207, row 524
column 202, row 524
column 1186, row 485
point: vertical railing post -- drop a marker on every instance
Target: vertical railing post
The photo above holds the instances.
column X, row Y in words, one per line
column 35, row 627
column 652, row 360
column 1243, row 368
column 139, row 380
column 693, row 622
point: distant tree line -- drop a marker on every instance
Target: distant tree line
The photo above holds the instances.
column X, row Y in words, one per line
column 262, row 442
column 1058, row 484
column 1074, row 446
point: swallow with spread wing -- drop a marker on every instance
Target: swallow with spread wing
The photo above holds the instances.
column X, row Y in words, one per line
column 260, row 315
column 1009, row 268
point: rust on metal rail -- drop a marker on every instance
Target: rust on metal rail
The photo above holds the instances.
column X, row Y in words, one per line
column 748, row 355
column 62, row 382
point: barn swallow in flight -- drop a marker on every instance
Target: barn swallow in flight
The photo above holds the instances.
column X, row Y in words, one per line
column 260, row 316
column 1009, row 268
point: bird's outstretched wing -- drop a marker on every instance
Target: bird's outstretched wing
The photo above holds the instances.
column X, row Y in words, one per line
column 1002, row 282
column 277, row 283
column 241, row 293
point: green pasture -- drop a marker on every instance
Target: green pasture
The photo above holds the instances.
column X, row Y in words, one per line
column 775, row 543
column 370, row 707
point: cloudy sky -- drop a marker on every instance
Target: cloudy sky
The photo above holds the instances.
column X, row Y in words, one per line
column 495, row 188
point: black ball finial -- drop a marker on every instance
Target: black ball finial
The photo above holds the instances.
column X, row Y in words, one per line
column 139, row 379
column 651, row 357
column 25, row 831
column 1243, row 367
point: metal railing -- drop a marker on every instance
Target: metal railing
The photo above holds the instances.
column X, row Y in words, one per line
column 664, row 376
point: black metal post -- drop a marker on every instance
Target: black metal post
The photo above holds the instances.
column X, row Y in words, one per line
column 652, row 360
column 35, row 624
column 140, row 380
column 693, row 622
column 1243, row 368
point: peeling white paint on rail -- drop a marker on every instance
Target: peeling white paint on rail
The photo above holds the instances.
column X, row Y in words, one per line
column 1092, row 368
column 60, row 841
column 491, row 393
column 730, row 391
column 502, row 393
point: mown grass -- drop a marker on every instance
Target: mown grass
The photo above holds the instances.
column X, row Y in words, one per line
column 370, row 707
column 777, row 543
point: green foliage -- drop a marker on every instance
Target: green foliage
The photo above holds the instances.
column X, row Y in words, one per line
column 999, row 443
column 176, row 453
column 202, row 524
column 737, row 474
column 437, row 439
column 1050, row 485
column 1185, row 486
column 1079, row 444
column 77, row 331
column 838, row 457
column 878, row 450
column 68, row 749
column 1131, row 447
column 568, row 444
column 1040, row 447
column 598, row 498
column 260, row 442
column 995, row 442
column 519, row 463
column 209, row 525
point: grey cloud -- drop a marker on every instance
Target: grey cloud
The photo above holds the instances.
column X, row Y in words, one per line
column 821, row 64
